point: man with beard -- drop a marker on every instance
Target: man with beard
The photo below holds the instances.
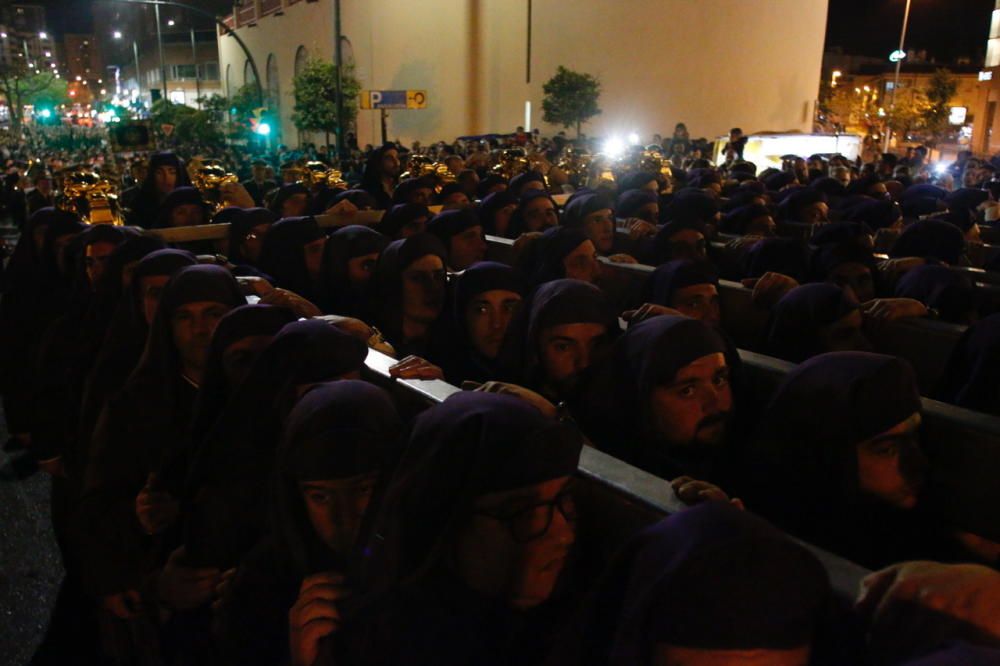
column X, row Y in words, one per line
column 662, row 400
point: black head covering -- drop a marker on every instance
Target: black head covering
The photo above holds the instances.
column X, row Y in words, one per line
column 226, row 215
column 635, row 180
column 959, row 654
column 238, row 453
column 543, row 260
column 631, row 201
column 399, row 216
column 452, row 222
column 580, row 207
column 25, row 262
column 703, row 177
column 339, row 295
column 970, row 378
column 488, row 183
column 790, row 209
column 673, row 275
column 647, row 355
column 915, row 207
column 876, row 213
column 489, row 206
column 797, row 319
column 241, row 224
column 940, row 288
column 371, row 179
column 829, row 257
column 242, row 322
column 710, row 577
column 930, row 239
column 286, row 192
column 518, row 182
column 779, row 179
column 157, row 160
column 781, row 255
column 841, row 232
column 517, row 222
column 967, row 198
column 862, row 185
column 180, row 196
column 738, row 220
column 282, row 255
column 808, row 438
column 470, row 445
column 924, row 190
column 690, row 207
column 831, row 187
column 360, row 198
column 408, row 187
column 337, row 430
column 387, row 282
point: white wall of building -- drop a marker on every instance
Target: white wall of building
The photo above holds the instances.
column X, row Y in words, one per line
column 712, row 64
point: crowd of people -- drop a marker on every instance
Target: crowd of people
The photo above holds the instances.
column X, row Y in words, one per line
column 231, row 485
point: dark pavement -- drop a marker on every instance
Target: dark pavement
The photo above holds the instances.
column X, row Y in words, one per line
column 30, row 567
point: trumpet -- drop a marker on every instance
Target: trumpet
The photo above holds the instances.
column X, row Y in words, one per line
column 509, row 162
column 209, row 176
column 92, row 197
column 420, row 166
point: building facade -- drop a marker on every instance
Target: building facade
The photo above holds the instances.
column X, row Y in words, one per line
column 25, row 37
column 986, row 137
column 482, row 63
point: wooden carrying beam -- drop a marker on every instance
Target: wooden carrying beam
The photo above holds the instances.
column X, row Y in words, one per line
column 616, row 499
column 211, row 232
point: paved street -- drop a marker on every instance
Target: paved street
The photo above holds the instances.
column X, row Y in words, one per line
column 30, row 570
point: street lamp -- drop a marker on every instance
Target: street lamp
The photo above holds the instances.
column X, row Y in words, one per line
column 834, row 76
column 897, row 57
column 42, row 35
column 117, row 34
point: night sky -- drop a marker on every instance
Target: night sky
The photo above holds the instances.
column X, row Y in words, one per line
column 947, row 29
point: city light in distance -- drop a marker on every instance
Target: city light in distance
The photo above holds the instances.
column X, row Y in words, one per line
column 633, row 139
column 264, row 129
column 42, row 35
column 117, row 34
column 171, row 23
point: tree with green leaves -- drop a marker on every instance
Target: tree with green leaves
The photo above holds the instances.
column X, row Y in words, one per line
column 316, row 98
column 191, row 125
column 570, row 98
column 940, row 89
column 907, row 113
column 21, row 86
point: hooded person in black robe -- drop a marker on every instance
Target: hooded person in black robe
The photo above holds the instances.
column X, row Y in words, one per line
column 970, row 378
column 62, row 362
column 536, row 211
column 931, row 239
column 662, row 400
column 33, row 300
column 561, row 252
column 837, row 459
column 165, row 173
column 404, row 220
column 592, row 214
column 557, row 366
column 710, row 582
column 687, row 222
column 381, row 174
column 339, row 447
column 348, row 264
column 787, row 256
column 487, row 297
column 238, row 341
column 468, row 558
column 948, row 292
column 292, row 200
column 408, row 302
column 226, row 514
column 292, row 253
column 126, row 338
column 495, row 210
column 182, row 208
column 146, row 424
column 848, row 264
column 247, row 230
column 461, row 233
column 812, row 319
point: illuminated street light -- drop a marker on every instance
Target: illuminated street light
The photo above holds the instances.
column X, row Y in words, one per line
column 171, row 23
column 264, row 129
column 3, row 35
column 42, row 35
column 117, row 34
column 834, row 76
column 104, row 91
column 79, row 78
column 867, row 89
column 897, row 55
column 48, row 54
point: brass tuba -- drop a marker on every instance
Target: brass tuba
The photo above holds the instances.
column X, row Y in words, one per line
column 91, row 196
column 421, row 166
column 319, row 174
column 208, row 175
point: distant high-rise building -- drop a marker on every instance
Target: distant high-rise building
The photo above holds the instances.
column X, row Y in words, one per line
column 24, row 37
